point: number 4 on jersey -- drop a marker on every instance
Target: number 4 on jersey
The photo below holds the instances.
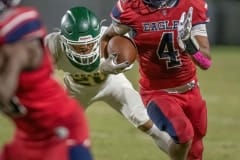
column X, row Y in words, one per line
column 167, row 51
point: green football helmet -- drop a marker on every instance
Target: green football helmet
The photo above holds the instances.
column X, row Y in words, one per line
column 81, row 32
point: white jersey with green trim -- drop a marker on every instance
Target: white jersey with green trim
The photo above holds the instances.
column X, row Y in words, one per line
column 57, row 49
column 88, row 87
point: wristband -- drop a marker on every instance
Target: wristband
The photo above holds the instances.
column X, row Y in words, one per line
column 191, row 46
column 202, row 60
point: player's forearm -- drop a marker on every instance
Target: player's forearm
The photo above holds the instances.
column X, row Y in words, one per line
column 202, row 56
column 108, row 34
column 104, row 41
column 9, row 80
column 17, row 57
column 103, row 45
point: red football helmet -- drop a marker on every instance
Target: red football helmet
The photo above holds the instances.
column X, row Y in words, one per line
column 4, row 4
column 157, row 4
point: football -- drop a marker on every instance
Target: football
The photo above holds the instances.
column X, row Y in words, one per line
column 124, row 47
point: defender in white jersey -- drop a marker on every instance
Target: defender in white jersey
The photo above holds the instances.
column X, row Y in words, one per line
column 76, row 51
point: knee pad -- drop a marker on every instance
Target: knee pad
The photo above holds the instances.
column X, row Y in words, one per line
column 79, row 151
column 159, row 119
column 173, row 121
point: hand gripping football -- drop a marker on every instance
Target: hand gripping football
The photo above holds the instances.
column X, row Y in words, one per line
column 124, row 48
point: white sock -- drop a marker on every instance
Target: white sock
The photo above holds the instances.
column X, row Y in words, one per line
column 161, row 138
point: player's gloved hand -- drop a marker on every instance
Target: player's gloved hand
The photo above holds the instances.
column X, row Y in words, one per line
column 13, row 108
column 185, row 40
column 109, row 65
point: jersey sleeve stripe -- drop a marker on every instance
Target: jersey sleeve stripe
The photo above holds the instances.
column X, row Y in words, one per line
column 119, row 5
column 115, row 14
column 22, row 30
column 13, row 23
column 39, row 33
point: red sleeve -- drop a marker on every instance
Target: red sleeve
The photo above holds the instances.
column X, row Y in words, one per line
column 124, row 11
column 119, row 10
column 200, row 12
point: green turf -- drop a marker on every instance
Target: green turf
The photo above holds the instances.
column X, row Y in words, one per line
column 113, row 138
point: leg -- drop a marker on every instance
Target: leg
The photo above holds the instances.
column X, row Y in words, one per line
column 77, row 152
column 71, row 138
column 168, row 116
column 18, row 150
column 197, row 114
column 161, row 138
column 67, row 151
column 126, row 100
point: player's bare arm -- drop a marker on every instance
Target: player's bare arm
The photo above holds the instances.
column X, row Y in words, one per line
column 194, row 40
column 24, row 55
column 108, row 34
column 108, row 66
column 204, row 46
column 113, row 30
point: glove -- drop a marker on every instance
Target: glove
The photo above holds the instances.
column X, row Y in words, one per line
column 14, row 108
column 185, row 40
column 109, row 65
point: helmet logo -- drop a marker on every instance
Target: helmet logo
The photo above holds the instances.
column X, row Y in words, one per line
column 85, row 38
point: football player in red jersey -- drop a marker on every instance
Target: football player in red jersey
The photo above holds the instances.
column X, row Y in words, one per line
column 171, row 38
column 50, row 125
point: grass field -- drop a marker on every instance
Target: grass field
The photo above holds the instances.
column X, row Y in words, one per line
column 114, row 138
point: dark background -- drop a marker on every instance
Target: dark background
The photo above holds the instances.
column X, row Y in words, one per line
column 224, row 14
